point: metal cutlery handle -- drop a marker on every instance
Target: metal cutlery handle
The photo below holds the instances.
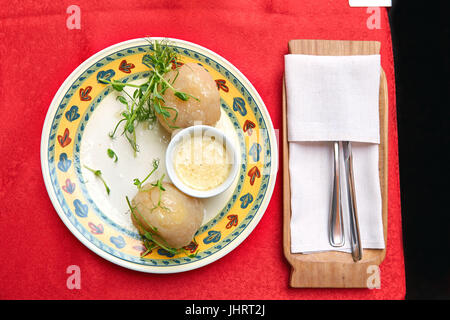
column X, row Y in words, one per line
column 354, row 225
column 336, row 227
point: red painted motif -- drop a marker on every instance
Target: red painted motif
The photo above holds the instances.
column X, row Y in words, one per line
column 191, row 247
column 254, row 173
column 176, row 64
column 84, row 93
column 64, row 140
column 248, row 127
column 221, row 84
column 125, row 66
column 233, row 221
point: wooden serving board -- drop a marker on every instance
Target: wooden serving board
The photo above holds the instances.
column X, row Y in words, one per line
column 334, row 269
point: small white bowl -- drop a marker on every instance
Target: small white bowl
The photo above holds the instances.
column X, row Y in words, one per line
column 203, row 130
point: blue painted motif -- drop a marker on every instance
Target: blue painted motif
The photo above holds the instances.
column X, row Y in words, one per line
column 213, row 236
column 146, row 60
column 118, row 241
column 72, row 114
column 81, row 209
column 164, row 252
column 105, row 75
column 239, row 106
column 246, row 199
column 255, row 151
column 64, row 163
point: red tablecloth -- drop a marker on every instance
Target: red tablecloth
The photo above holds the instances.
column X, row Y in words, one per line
column 38, row 52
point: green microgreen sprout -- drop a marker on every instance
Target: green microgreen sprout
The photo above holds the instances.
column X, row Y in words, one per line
column 147, row 100
column 112, row 155
column 139, row 183
column 149, row 246
column 158, row 184
column 98, row 174
column 151, row 239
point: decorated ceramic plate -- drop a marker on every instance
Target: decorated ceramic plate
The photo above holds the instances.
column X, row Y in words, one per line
column 76, row 135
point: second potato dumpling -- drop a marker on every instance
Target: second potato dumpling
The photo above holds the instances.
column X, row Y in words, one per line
column 194, row 80
column 175, row 215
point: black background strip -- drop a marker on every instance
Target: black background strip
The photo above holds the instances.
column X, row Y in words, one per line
column 421, row 39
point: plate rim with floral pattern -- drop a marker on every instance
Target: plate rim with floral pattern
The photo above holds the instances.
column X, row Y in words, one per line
column 59, row 159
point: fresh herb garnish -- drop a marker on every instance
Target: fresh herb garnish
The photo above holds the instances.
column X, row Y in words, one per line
column 112, row 155
column 139, row 183
column 150, row 241
column 147, row 99
column 158, row 184
column 98, row 174
column 149, row 246
column 150, row 238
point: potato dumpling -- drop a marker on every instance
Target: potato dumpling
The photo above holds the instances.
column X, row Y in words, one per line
column 192, row 79
column 176, row 218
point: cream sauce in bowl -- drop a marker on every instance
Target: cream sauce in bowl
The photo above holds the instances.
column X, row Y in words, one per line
column 201, row 161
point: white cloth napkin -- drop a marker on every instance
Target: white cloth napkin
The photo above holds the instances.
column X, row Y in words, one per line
column 332, row 98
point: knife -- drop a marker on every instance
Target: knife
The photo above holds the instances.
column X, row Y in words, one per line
column 355, row 238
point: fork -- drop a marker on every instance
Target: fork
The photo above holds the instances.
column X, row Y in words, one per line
column 336, row 227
